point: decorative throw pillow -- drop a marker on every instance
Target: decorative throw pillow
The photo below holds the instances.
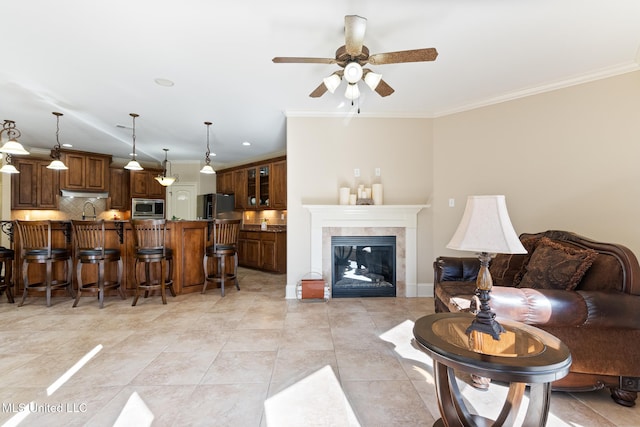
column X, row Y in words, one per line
column 499, row 266
column 530, row 245
column 555, row 266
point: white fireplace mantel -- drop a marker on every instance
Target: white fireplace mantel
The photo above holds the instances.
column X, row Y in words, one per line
column 402, row 216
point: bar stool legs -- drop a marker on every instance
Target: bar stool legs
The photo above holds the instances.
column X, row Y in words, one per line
column 6, row 262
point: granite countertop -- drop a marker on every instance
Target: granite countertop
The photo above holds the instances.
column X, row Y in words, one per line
column 270, row 228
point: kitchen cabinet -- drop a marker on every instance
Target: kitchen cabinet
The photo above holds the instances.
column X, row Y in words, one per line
column 258, row 185
column 119, row 189
column 224, row 183
column 240, row 188
column 87, row 171
column 35, row 187
column 142, row 184
column 264, row 250
column 279, row 185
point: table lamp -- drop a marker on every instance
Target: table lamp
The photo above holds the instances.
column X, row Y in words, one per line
column 485, row 228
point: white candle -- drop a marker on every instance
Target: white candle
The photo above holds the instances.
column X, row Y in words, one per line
column 344, row 195
column 352, row 199
column 377, row 194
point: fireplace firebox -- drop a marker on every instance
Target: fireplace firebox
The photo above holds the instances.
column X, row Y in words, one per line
column 363, row 266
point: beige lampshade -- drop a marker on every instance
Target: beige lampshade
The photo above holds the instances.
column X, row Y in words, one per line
column 486, row 227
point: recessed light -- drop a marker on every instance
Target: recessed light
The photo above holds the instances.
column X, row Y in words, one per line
column 164, row 82
column 246, row 143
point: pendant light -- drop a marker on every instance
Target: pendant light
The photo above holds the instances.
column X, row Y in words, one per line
column 8, row 167
column 11, row 146
column 163, row 179
column 207, row 168
column 133, row 164
column 56, row 163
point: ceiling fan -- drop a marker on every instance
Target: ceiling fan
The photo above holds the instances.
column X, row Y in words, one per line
column 353, row 56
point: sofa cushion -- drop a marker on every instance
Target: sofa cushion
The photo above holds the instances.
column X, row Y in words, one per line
column 556, row 266
column 529, row 244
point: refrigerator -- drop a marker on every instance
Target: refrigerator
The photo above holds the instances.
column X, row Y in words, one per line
column 216, row 205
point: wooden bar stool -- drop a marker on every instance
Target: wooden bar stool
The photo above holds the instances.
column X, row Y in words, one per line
column 225, row 246
column 89, row 237
column 37, row 248
column 149, row 248
column 6, row 263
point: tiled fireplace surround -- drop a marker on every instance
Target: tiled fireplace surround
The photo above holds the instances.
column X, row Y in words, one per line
column 368, row 220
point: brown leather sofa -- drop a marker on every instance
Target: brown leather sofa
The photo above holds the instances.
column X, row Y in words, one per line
column 595, row 310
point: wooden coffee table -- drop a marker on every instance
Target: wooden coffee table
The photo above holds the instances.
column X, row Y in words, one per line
column 523, row 355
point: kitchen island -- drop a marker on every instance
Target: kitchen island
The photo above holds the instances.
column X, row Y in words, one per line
column 188, row 239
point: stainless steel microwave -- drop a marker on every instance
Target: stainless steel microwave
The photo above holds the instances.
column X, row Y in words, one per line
column 147, row 208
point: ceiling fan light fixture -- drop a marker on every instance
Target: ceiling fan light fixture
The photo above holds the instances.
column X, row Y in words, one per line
column 56, row 163
column 332, row 82
column 372, row 79
column 352, row 91
column 353, row 72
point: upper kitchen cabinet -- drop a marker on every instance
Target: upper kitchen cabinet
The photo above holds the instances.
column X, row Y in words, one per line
column 87, row 171
column 279, row 185
column 224, row 183
column 259, row 185
column 35, row 187
column 144, row 185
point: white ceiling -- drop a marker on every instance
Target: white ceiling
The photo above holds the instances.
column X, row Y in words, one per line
column 96, row 62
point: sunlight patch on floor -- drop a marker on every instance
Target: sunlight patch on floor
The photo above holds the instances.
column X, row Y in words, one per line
column 135, row 413
column 316, row 400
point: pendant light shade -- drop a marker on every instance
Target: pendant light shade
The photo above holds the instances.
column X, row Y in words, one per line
column 207, row 168
column 11, row 146
column 8, row 167
column 56, row 163
column 133, row 164
column 372, row 79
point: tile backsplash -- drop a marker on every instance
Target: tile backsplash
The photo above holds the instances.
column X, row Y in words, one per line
column 71, row 208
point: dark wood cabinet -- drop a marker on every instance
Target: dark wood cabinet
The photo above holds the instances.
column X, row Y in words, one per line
column 87, row 171
column 240, row 188
column 35, row 187
column 119, row 189
column 144, row 185
column 224, row 183
column 263, row 250
column 279, row 185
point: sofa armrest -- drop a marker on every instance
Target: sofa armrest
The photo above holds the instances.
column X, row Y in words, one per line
column 457, row 269
column 549, row 307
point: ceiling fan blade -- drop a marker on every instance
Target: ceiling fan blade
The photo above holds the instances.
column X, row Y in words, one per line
column 354, row 29
column 383, row 89
column 319, row 91
column 302, row 60
column 415, row 55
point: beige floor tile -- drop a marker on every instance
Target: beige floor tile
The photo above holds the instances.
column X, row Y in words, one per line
column 253, row 340
column 369, row 364
column 175, row 369
column 241, row 367
column 224, row 405
column 293, row 366
column 387, row 403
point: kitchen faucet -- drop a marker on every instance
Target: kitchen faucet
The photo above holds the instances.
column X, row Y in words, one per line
column 94, row 216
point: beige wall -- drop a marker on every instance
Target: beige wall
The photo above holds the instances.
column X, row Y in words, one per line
column 321, row 156
column 567, row 159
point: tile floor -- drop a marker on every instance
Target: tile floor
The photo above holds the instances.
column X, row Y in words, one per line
column 251, row 358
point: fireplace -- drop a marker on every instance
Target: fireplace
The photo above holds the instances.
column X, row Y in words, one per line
column 400, row 221
column 363, row 266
